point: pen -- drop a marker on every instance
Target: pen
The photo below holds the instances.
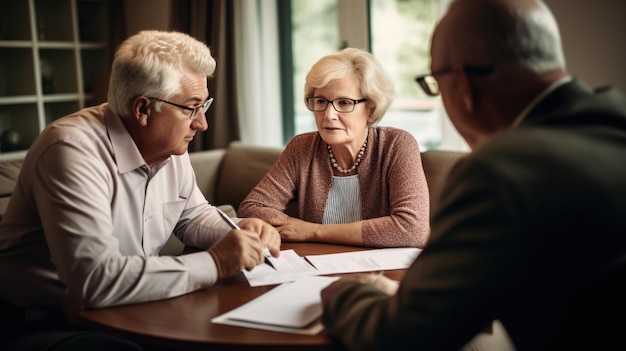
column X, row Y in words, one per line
column 234, row 225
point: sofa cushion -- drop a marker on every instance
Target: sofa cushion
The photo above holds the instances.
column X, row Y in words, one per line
column 242, row 168
column 205, row 166
column 437, row 165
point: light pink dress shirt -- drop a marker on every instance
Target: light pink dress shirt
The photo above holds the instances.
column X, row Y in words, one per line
column 88, row 216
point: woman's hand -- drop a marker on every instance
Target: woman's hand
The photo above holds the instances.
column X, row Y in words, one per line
column 295, row 230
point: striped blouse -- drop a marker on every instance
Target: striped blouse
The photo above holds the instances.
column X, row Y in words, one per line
column 344, row 201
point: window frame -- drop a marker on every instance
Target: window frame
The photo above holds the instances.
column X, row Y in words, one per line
column 354, row 31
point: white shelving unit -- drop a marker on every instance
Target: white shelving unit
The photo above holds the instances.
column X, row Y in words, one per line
column 51, row 53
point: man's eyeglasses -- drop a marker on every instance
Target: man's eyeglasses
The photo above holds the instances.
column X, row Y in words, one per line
column 429, row 83
column 203, row 106
column 343, row 105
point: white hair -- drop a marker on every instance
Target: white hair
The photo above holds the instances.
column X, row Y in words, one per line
column 151, row 63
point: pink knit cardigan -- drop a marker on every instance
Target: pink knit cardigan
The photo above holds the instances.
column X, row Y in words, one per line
column 394, row 194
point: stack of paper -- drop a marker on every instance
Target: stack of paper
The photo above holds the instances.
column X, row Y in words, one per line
column 290, row 307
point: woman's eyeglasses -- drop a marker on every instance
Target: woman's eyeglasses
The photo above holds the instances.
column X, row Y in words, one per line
column 343, row 105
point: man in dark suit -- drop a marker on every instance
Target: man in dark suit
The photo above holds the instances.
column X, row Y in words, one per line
column 531, row 228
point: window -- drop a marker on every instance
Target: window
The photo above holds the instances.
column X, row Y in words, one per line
column 397, row 32
column 401, row 32
column 314, row 34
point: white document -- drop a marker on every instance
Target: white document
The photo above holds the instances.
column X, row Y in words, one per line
column 290, row 266
column 293, row 307
column 365, row 261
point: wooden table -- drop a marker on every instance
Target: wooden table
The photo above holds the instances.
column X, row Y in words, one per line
column 184, row 322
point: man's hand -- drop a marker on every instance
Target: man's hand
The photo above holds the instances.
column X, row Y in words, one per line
column 294, row 229
column 388, row 286
column 268, row 234
column 237, row 250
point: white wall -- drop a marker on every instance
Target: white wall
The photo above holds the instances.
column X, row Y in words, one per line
column 593, row 39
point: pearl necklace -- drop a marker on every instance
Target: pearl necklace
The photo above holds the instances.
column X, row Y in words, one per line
column 334, row 163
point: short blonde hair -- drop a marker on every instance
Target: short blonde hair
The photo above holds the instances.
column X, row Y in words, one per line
column 375, row 85
column 152, row 63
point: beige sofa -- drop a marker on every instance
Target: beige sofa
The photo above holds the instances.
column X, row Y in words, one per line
column 225, row 176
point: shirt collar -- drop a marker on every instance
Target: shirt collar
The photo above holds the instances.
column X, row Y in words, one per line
column 125, row 151
column 538, row 99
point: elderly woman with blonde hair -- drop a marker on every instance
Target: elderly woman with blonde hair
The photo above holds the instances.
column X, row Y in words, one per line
column 354, row 182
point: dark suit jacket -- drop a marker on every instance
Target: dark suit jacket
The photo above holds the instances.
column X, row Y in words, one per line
column 531, row 230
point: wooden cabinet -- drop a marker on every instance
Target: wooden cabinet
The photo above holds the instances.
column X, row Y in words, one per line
column 52, row 52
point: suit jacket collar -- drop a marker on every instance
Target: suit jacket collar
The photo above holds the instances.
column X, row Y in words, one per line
column 577, row 101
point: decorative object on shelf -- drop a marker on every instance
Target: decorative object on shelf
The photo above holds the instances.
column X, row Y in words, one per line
column 10, row 140
column 47, row 77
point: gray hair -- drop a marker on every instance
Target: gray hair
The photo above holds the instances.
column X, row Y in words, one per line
column 508, row 30
column 375, row 85
column 152, row 63
column 540, row 41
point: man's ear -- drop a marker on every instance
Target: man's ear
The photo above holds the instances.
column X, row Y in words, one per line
column 465, row 88
column 140, row 110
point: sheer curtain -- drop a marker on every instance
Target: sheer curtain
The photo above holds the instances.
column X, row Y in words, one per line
column 258, row 78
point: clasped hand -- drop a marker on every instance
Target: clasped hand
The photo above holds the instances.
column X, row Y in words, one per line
column 294, row 229
column 243, row 249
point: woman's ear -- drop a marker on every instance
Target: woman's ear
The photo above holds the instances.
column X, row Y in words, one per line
column 140, row 110
column 370, row 116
